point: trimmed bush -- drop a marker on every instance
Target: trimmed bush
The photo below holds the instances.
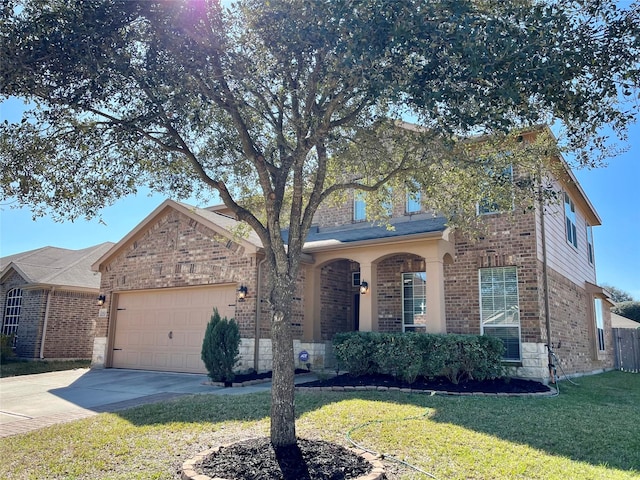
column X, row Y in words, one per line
column 6, row 347
column 409, row 355
column 221, row 348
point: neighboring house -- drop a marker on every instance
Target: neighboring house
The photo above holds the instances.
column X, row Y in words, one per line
column 618, row 321
column 162, row 280
column 49, row 300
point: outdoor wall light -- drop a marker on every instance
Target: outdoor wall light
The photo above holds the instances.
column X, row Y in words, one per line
column 364, row 287
column 101, row 300
column 242, row 292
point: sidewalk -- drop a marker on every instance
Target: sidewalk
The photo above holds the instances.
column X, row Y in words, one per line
column 31, row 402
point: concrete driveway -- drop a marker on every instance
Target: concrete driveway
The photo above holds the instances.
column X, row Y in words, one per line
column 30, row 402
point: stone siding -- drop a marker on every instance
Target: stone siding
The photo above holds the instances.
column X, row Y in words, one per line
column 336, row 296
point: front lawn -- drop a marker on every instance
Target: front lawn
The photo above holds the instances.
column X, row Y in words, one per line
column 590, row 431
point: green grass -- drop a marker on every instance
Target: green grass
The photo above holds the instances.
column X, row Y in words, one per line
column 590, row 431
column 13, row 367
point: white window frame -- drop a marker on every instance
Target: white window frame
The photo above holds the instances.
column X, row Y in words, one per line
column 415, row 303
column 355, row 279
column 590, row 251
column 11, row 317
column 598, row 318
column 413, row 202
column 571, row 221
column 359, row 207
column 488, row 208
column 500, row 310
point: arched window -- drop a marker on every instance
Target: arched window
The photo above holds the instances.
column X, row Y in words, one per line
column 12, row 312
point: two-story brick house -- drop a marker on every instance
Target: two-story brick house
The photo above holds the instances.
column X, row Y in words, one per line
column 163, row 279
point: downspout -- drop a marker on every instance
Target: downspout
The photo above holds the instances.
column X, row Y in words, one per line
column 256, row 342
column 46, row 321
column 545, row 281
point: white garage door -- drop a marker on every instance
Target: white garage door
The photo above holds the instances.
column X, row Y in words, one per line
column 163, row 329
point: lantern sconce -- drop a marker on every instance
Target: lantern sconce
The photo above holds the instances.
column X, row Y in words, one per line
column 101, row 300
column 242, row 292
column 364, row 287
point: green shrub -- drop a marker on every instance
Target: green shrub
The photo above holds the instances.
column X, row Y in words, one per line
column 355, row 352
column 409, row 355
column 6, row 347
column 221, row 347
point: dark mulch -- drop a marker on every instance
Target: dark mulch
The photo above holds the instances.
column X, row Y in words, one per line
column 252, row 376
column 440, row 384
column 256, row 459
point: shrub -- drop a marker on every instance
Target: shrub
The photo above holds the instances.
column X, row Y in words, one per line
column 6, row 347
column 221, row 347
column 355, row 352
column 409, row 355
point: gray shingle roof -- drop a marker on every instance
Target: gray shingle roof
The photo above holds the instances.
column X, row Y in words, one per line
column 57, row 266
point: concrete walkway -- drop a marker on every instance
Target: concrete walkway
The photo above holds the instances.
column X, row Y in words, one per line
column 30, row 402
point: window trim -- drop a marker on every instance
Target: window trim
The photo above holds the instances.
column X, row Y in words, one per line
column 493, row 208
column 11, row 314
column 570, row 221
column 359, row 214
column 516, row 312
column 590, row 250
column 598, row 323
column 412, row 327
column 413, row 199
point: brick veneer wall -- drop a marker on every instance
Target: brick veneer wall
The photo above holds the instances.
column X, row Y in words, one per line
column 177, row 251
column 336, row 298
column 389, row 289
column 508, row 241
column 573, row 327
column 71, row 325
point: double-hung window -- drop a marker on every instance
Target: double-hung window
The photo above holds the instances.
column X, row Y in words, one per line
column 570, row 220
column 414, row 301
column 500, row 309
column 11, row 316
column 500, row 186
column 359, row 207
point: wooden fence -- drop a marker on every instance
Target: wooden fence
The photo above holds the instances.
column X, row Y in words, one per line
column 626, row 342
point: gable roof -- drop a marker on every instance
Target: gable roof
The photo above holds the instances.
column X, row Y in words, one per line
column 53, row 266
column 219, row 223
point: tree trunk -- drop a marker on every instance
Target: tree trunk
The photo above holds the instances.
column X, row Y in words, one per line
column 283, row 429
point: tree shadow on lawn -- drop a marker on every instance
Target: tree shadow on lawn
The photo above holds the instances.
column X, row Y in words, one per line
column 597, row 422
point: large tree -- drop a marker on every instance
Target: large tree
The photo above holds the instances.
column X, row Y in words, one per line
column 276, row 106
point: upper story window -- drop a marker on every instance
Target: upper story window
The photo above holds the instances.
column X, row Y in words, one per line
column 12, row 312
column 590, row 255
column 413, row 202
column 570, row 220
column 490, row 204
column 359, row 207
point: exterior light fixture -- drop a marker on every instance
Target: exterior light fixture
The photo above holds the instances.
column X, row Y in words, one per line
column 364, row 287
column 242, row 292
column 101, row 300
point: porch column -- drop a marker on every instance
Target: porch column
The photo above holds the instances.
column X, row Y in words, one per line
column 312, row 330
column 436, row 315
column 369, row 300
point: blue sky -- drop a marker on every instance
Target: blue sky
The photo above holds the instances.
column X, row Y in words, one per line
column 613, row 190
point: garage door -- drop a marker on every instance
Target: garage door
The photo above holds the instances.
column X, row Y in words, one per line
column 163, row 329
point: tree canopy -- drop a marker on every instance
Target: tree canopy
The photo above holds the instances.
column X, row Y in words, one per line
column 276, row 106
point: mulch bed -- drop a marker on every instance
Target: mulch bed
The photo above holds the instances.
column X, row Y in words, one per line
column 438, row 384
column 256, row 459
